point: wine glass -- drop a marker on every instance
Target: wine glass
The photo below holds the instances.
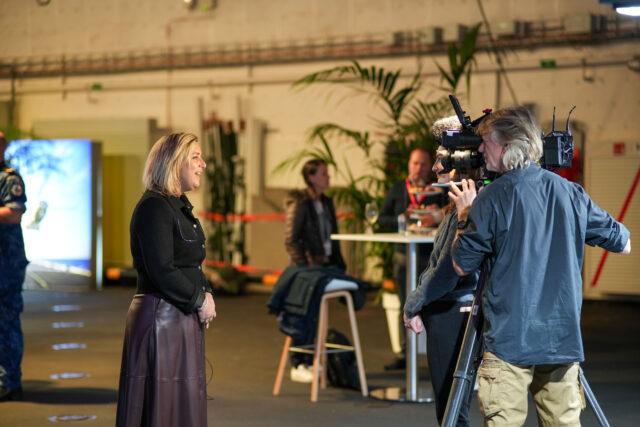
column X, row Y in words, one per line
column 371, row 214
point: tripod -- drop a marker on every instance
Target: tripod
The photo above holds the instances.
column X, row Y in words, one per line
column 471, row 355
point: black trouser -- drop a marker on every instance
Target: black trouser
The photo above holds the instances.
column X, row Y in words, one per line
column 445, row 325
column 400, row 274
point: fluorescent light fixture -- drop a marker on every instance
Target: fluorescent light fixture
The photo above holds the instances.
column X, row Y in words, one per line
column 624, row 7
column 629, row 10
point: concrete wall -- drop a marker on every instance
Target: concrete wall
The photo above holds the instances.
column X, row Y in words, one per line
column 595, row 77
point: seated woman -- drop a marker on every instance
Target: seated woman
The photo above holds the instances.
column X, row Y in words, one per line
column 310, row 221
column 442, row 299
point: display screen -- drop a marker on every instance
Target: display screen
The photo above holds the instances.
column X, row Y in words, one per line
column 58, row 177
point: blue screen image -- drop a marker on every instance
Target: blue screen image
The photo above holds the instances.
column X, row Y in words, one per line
column 58, row 184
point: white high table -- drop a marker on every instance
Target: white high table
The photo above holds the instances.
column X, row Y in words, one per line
column 411, row 240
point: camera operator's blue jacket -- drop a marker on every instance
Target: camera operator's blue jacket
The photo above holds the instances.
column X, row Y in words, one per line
column 532, row 226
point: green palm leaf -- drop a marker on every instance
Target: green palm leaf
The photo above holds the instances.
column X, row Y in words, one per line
column 328, row 130
column 405, row 126
column 461, row 60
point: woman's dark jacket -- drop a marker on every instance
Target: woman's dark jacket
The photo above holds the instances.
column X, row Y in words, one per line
column 167, row 244
column 439, row 282
column 302, row 231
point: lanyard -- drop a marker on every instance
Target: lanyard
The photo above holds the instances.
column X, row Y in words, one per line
column 412, row 196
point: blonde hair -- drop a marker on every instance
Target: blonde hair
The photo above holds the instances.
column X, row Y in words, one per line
column 515, row 127
column 165, row 161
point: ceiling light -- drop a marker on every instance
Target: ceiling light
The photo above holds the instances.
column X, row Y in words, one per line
column 629, row 10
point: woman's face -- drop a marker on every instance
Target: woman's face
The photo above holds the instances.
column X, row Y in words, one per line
column 320, row 180
column 192, row 169
column 442, row 176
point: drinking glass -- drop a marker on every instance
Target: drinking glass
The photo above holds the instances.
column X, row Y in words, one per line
column 371, row 214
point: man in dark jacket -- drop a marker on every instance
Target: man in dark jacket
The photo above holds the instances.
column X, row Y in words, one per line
column 404, row 196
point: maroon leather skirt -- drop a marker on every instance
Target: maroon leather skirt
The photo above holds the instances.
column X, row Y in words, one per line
column 162, row 378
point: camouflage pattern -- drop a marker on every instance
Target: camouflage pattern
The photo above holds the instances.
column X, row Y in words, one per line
column 11, row 341
column 13, row 263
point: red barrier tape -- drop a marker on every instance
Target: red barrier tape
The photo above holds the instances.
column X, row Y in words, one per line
column 242, row 217
column 249, row 218
column 625, row 206
column 240, row 267
column 255, row 217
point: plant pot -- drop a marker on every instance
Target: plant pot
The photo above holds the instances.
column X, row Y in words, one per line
column 391, row 305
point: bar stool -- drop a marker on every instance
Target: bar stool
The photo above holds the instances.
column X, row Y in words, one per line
column 336, row 288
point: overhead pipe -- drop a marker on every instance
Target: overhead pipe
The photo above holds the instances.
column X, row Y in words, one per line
column 369, row 48
column 251, row 81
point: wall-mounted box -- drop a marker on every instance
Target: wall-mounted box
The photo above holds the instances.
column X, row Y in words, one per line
column 585, row 24
column 509, row 28
column 429, row 35
column 454, row 32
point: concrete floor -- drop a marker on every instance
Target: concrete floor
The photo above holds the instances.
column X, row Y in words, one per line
column 243, row 348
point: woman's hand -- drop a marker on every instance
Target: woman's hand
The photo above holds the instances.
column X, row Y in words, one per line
column 414, row 323
column 463, row 198
column 207, row 312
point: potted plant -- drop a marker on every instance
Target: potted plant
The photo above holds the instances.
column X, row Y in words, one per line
column 406, row 125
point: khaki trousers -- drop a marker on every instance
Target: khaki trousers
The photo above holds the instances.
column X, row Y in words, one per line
column 503, row 391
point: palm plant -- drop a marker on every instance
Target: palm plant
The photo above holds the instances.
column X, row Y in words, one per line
column 406, row 125
column 12, row 132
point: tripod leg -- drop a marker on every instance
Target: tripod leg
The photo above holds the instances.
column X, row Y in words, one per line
column 470, row 350
column 591, row 398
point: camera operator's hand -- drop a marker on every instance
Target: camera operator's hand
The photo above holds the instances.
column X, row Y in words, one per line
column 463, row 198
column 414, row 323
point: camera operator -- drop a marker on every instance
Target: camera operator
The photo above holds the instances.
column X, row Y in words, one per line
column 442, row 299
column 531, row 226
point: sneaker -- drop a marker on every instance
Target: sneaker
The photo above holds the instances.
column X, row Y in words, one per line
column 302, row 373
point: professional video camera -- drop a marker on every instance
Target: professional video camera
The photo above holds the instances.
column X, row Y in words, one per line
column 462, row 145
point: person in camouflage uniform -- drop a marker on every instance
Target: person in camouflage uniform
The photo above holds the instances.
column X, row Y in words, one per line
column 13, row 263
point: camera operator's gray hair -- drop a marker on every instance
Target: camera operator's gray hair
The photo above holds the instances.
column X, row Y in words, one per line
column 440, row 126
column 516, row 127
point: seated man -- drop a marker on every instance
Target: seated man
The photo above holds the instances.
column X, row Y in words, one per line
column 403, row 197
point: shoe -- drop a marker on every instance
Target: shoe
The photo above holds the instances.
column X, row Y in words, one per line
column 303, row 373
column 399, row 363
column 9, row 393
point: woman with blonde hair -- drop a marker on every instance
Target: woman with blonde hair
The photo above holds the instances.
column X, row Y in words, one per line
column 162, row 379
